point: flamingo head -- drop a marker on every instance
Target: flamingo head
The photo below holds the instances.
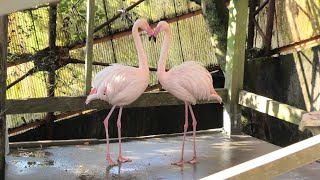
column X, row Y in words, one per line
column 162, row 26
column 144, row 25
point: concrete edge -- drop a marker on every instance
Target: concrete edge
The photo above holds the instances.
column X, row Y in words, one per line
column 49, row 143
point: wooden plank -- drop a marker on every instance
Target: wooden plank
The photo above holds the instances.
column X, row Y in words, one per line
column 297, row 46
column 274, row 163
column 89, row 45
column 64, row 104
column 272, row 108
column 9, row 6
column 238, row 15
column 3, row 87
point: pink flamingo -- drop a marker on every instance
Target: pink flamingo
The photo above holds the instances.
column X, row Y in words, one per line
column 189, row 82
column 120, row 85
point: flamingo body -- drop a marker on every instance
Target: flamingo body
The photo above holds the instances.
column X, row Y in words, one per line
column 188, row 81
column 120, row 85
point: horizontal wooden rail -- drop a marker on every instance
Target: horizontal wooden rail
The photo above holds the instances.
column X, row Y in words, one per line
column 297, row 46
column 273, row 108
column 129, row 31
column 275, row 163
column 65, row 104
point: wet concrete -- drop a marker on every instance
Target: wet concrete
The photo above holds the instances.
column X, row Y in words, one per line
column 151, row 159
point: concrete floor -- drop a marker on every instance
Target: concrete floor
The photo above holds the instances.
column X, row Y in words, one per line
column 151, row 158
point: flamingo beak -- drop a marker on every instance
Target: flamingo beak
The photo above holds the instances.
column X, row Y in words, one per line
column 153, row 38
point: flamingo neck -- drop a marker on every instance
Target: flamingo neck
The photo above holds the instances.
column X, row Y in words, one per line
column 164, row 51
column 143, row 64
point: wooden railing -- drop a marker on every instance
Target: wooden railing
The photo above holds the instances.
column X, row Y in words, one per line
column 65, row 104
column 282, row 160
column 274, row 163
column 271, row 107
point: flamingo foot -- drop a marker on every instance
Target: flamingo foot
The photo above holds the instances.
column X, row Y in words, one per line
column 124, row 159
column 178, row 163
column 110, row 162
column 193, row 161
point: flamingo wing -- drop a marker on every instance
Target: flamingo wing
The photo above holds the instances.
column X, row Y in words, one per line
column 123, row 85
column 193, row 78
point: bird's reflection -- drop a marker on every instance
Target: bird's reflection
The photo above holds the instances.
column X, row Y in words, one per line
column 112, row 174
column 194, row 168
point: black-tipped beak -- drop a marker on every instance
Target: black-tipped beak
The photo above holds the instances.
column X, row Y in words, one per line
column 153, row 38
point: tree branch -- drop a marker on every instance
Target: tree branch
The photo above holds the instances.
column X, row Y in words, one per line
column 30, row 72
column 117, row 16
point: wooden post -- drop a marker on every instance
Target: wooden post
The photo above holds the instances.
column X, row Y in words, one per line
column 3, row 78
column 238, row 17
column 269, row 27
column 52, row 71
column 252, row 8
column 89, row 45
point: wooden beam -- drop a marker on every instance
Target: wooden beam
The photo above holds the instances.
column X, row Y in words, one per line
column 128, row 31
column 8, row 7
column 275, row 163
column 3, row 79
column 63, row 104
column 297, row 46
column 89, row 45
column 238, row 15
column 272, row 108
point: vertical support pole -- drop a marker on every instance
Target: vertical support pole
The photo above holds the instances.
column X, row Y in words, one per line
column 89, row 45
column 52, row 71
column 3, row 87
column 269, row 26
column 252, row 8
column 238, row 18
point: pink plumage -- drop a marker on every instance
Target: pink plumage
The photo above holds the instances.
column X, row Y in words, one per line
column 120, row 85
column 188, row 81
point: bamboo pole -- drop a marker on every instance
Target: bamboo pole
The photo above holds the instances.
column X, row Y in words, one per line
column 3, row 78
column 238, row 16
column 89, row 45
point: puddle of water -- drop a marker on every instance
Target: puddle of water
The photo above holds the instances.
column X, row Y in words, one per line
column 27, row 164
column 30, row 153
column 86, row 177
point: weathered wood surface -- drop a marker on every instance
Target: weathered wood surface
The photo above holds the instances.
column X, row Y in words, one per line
column 3, row 78
column 64, row 104
column 272, row 108
column 274, row 163
column 8, row 7
column 238, row 15
column 311, row 121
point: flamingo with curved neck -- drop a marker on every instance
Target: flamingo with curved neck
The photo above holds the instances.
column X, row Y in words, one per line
column 120, row 85
column 188, row 81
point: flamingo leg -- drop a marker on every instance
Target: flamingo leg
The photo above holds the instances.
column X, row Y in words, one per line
column 105, row 122
column 194, row 124
column 120, row 157
column 180, row 163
